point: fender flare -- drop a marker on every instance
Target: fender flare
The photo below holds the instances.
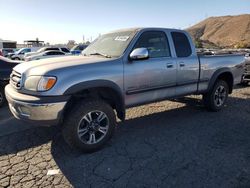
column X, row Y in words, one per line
column 216, row 74
column 119, row 100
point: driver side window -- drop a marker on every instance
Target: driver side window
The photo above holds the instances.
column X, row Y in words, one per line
column 156, row 42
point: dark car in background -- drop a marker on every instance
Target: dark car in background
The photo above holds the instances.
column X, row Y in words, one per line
column 6, row 66
column 77, row 49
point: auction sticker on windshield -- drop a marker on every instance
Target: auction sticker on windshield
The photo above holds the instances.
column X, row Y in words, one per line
column 122, row 38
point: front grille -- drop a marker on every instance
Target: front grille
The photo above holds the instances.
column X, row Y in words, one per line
column 15, row 79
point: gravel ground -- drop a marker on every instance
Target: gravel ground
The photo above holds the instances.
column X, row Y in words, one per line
column 168, row 144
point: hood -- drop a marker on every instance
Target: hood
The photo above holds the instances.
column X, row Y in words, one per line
column 43, row 66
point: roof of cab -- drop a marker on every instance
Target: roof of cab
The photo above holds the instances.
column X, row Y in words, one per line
column 136, row 29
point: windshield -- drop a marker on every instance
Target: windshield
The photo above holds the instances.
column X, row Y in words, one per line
column 19, row 51
column 110, row 45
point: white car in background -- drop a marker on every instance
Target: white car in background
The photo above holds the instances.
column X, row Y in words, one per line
column 19, row 55
column 45, row 55
column 44, row 49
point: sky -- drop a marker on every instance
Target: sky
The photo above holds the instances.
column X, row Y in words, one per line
column 57, row 21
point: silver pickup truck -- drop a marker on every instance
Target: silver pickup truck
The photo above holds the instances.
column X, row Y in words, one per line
column 118, row 70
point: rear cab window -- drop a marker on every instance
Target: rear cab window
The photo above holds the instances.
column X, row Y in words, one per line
column 181, row 44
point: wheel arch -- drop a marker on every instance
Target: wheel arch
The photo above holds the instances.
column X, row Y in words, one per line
column 222, row 74
column 104, row 89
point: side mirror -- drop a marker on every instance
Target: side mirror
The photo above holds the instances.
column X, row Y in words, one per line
column 139, row 54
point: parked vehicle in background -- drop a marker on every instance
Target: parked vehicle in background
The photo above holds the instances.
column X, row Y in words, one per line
column 119, row 70
column 246, row 75
column 44, row 49
column 12, row 53
column 45, row 55
column 6, row 66
column 6, row 46
column 5, row 51
column 77, row 49
column 19, row 55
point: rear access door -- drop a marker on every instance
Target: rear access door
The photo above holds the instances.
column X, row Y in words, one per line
column 187, row 64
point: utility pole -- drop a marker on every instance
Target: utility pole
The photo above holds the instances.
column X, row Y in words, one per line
column 83, row 39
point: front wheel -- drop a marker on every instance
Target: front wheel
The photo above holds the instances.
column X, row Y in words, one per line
column 215, row 99
column 89, row 125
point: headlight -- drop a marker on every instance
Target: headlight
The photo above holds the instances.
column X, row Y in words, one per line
column 39, row 83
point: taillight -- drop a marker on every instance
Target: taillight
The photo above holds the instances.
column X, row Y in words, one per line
column 1, row 53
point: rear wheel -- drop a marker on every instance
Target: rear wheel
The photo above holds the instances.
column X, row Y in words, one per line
column 2, row 97
column 16, row 58
column 215, row 99
column 89, row 125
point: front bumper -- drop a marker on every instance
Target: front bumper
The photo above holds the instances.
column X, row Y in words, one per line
column 41, row 110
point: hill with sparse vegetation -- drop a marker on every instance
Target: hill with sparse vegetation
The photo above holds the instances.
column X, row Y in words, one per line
column 224, row 32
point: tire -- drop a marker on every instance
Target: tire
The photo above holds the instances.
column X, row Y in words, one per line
column 78, row 129
column 2, row 97
column 216, row 98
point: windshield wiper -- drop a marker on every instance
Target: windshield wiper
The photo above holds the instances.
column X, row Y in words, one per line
column 101, row 54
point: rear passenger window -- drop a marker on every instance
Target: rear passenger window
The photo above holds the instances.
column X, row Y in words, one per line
column 182, row 45
column 156, row 42
column 48, row 49
column 55, row 53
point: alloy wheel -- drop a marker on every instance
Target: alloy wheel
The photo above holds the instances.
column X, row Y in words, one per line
column 220, row 96
column 93, row 127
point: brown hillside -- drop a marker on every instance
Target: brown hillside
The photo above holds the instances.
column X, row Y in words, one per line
column 224, row 31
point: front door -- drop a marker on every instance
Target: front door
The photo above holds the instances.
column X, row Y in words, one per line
column 153, row 78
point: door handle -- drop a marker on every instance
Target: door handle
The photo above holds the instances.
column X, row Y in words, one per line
column 182, row 64
column 170, row 65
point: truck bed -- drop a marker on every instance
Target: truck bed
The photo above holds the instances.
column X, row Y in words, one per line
column 209, row 64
